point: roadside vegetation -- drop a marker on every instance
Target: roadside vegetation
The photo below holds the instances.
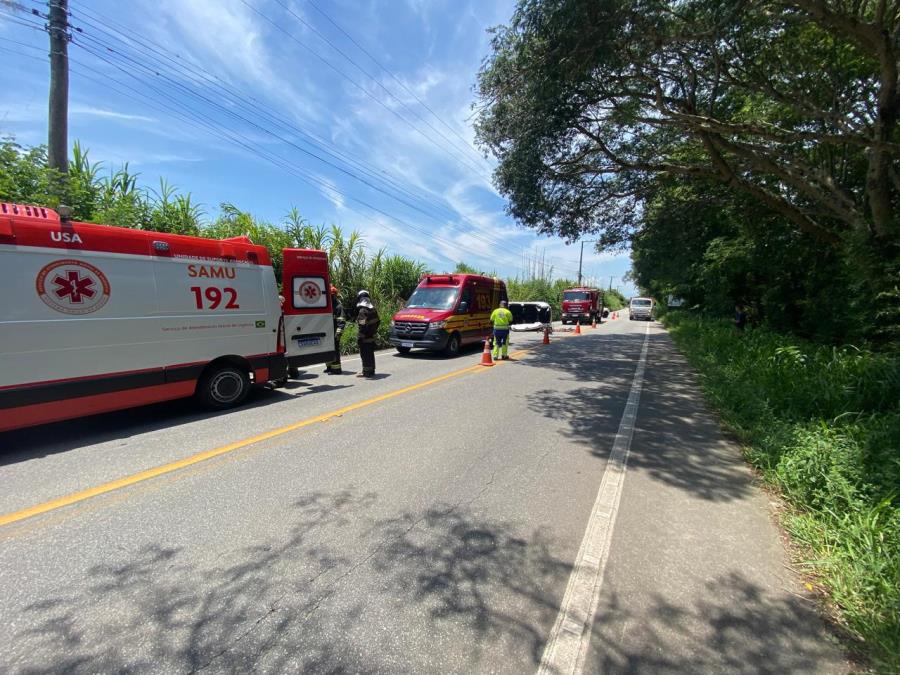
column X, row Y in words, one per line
column 117, row 197
column 821, row 424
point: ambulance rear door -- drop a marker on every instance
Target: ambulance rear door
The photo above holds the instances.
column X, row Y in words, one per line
column 308, row 322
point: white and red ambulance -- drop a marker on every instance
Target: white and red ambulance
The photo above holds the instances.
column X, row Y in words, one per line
column 96, row 318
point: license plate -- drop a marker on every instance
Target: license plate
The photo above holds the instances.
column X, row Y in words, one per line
column 309, row 341
column 406, row 344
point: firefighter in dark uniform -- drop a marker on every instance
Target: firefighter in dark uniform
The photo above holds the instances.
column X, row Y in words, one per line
column 337, row 314
column 367, row 322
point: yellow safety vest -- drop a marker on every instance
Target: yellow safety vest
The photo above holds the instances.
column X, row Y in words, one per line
column 501, row 318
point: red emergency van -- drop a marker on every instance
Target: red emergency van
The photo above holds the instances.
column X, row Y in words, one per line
column 96, row 318
column 447, row 311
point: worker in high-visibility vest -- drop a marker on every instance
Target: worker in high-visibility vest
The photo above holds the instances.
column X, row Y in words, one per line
column 501, row 320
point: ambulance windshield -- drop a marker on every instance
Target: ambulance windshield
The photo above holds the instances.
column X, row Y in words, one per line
column 434, row 298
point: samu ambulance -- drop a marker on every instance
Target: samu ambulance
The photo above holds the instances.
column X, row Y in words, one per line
column 96, row 318
column 447, row 311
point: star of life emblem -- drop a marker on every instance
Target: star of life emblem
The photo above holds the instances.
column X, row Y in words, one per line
column 72, row 287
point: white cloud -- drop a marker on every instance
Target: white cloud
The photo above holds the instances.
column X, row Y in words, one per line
column 91, row 111
column 237, row 45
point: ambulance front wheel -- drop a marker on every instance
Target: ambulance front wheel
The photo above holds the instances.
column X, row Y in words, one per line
column 453, row 345
column 223, row 387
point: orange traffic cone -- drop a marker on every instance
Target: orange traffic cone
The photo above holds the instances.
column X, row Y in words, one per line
column 546, row 335
column 578, row 327
column 615, row 315
column 486, row 354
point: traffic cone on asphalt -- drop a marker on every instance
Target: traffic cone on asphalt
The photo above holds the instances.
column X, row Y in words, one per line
column 546, row 335
column 578, row 327
column 615, row 315
column 486, row 354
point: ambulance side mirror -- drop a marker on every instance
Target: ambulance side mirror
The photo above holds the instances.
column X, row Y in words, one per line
column 463, row 307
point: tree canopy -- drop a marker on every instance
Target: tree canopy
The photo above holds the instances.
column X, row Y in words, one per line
column 595, row 107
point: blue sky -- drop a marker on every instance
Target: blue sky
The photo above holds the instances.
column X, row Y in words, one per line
column 231, row 99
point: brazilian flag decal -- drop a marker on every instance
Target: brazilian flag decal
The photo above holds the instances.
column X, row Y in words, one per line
column 260, row 324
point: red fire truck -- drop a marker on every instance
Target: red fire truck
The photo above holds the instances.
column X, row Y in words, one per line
column 96, row 318
column 581, row 305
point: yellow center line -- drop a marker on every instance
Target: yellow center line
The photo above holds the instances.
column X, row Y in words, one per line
column 163, row 469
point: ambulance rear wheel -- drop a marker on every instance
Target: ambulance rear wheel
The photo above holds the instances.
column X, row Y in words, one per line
column 223, row 387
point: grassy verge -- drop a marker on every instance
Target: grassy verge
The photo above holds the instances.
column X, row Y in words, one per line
column 822, row 424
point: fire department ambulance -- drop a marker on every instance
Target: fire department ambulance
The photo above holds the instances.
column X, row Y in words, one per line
column 96, row 318
column 447, row 311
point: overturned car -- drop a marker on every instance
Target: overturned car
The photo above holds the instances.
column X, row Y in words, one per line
column 530, row 316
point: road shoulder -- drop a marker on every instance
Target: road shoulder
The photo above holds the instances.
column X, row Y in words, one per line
column 698, row 579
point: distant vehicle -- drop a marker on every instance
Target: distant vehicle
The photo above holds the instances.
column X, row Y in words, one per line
column 581, row 304
column 102, row 318
column 530, row 315
column 674, row 302
column 446, row 312
column 640, row 308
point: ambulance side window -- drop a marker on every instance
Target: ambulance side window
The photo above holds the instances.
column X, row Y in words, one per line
column 466, row 297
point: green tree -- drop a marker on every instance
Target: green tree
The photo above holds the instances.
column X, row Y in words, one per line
column 589, row 104
column 583, row 99
column 464, row 268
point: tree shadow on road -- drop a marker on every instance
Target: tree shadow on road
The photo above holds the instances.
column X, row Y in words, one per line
column 306, row 602
column 451, row 589
column 732, row 626
column 677, row 440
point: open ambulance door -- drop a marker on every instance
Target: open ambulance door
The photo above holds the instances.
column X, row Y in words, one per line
column 308, row 322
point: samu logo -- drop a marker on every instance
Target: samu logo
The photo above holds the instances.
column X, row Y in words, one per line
column 66, row 237
column 72, row 287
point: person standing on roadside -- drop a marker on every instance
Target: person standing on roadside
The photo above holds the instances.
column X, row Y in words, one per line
column 367, row 322
column 337, row 315
column 501, row 320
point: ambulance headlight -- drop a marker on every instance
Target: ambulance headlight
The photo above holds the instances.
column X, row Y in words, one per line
column 437, row 324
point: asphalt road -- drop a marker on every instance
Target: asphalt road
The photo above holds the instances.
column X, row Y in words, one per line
column 426, row 521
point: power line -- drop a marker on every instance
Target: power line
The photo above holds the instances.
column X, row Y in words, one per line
column 367, row 74
column 314, row 141
column 230, row 136
column 197, row 119
column 474, row 234
column 387, row 70
column 462, row 160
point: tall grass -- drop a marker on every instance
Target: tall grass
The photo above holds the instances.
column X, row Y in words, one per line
column 822, row 424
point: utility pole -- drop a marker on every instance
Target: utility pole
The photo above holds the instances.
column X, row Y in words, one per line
column 610, row 282
column 58, row 120
column 581, row 256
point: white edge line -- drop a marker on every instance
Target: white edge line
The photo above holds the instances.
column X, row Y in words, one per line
column 570, row 638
